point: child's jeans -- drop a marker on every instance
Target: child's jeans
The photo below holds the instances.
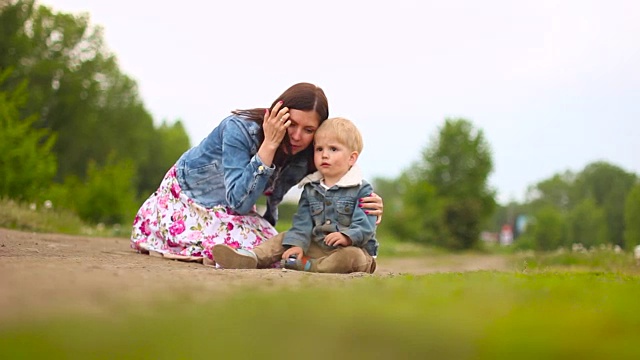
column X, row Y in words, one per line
column 342, row 260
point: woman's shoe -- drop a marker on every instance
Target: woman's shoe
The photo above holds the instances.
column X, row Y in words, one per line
column 229, row 258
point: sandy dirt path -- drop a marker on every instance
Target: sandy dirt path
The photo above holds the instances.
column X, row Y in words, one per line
column 49, row 273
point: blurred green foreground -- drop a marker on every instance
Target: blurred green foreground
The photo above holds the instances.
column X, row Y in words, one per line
column 476, row 315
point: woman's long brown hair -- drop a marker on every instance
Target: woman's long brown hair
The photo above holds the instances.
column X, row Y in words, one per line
column 303, row 97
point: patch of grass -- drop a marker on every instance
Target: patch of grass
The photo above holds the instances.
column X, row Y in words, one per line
column 392, row 247
column 283, row 224
column 480, row 315
column 39, row 218
column 602, row 259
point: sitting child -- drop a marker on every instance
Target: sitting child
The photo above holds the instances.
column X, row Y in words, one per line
column 330, row 232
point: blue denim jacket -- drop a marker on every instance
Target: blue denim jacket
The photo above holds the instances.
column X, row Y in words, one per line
column 322, row 211
column 224, row 169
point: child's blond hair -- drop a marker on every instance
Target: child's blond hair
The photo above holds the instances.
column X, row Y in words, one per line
column 342, row 130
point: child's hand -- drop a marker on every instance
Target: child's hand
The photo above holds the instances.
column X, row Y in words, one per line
column 294, row 250
column 337, row 239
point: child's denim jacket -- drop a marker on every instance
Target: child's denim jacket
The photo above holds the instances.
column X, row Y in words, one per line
column 224, row 169
column 322, row 211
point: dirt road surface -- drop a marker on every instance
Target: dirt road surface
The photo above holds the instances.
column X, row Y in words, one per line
column 52, row 273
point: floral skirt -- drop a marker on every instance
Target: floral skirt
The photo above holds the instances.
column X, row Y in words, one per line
column 170, row 223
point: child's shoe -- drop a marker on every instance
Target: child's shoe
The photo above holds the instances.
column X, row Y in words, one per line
column 229, row 258
column 292, row 263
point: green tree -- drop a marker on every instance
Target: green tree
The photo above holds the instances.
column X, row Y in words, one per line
column 585, row 198
column 170, row 142
column 390, row 191
column 547, row 229
column 587, row 224
column 76, row 86
column 632, row 218
column 26, row 163
column 556, row 191
column 608, row 185
column 418, row 218
column 108, row 195
column 458, row 164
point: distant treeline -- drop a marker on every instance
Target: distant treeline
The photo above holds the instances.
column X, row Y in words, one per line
column 70, row 116
column 599, row 205
column 443, row 200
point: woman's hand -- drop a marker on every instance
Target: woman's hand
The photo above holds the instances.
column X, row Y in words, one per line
column 372, row 205
column 275, row 124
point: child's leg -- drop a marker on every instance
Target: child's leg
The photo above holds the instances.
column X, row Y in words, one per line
column 270, row 251
column 262, row 256
column 343, row 260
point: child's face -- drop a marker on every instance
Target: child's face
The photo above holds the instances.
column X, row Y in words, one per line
column 332, row 158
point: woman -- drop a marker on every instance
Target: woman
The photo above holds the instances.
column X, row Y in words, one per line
column 208, row 197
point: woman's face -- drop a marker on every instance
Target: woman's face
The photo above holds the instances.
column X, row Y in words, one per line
column 303, row 126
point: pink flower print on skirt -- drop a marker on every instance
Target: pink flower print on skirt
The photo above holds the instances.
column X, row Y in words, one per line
column 170, row 223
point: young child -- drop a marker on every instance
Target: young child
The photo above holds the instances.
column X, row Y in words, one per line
column 330, row 233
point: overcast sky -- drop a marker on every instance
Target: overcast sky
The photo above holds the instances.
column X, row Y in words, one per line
column 554, row 85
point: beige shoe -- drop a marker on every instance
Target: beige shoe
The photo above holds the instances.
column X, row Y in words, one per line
column 184, row 258
column 208, row 262
column 143, row 249
column 229, row 258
